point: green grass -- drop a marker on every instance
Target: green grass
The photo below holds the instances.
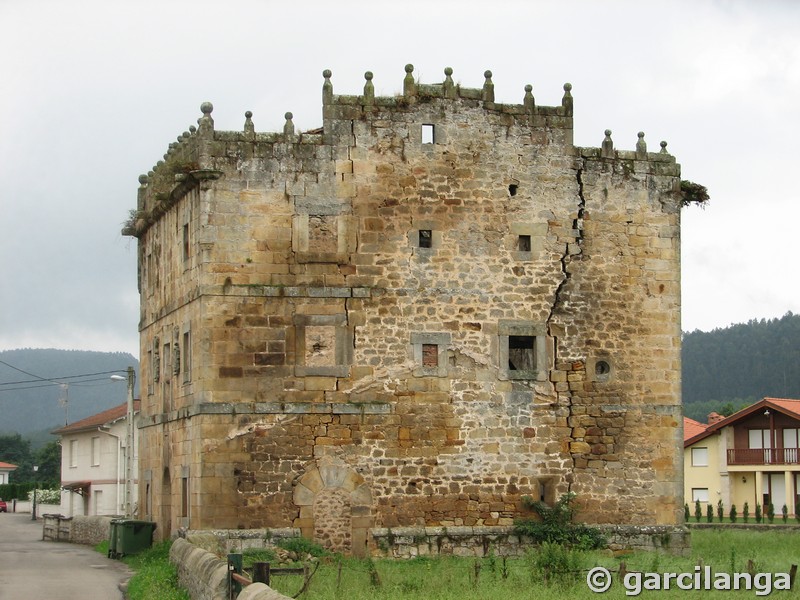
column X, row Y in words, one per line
column 454, row 578
column 154, row 576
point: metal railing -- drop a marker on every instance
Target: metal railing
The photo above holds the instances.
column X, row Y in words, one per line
column 762, row 456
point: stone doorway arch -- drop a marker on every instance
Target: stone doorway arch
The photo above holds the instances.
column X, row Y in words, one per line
column 335, row 507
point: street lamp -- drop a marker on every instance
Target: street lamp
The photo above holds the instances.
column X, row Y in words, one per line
column 129, row 441
column 33, row 504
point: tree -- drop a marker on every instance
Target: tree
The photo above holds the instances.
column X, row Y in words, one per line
column 17, row 451
column 48, row 459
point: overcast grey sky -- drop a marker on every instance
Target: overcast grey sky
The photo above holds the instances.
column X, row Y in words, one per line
column 94, row 91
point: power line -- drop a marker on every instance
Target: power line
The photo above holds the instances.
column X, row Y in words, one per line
column 52, row 380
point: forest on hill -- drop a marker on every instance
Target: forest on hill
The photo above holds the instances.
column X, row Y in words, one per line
column 42, row 389
column 727, row 369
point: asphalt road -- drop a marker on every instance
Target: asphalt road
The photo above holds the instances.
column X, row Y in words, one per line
column 33, row 569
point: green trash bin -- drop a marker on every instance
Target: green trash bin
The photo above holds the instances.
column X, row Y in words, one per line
column 133, row 536
column 113, row 538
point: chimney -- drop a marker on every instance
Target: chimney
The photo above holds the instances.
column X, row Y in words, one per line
column 714, row 418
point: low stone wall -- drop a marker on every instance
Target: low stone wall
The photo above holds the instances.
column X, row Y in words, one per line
column 227, row 541
column 205, row 575
column 77, row 530
column 671, row 539
column 408, row 542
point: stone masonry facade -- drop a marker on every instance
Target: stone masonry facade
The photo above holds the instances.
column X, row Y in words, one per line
column 414, row 316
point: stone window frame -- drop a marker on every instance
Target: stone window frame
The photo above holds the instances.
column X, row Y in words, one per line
column 600, row 369
column 344, row 345
column 346, row 228
column 436, row 238
column 442, row 341
column 186, row 504
column 538, row 331
column 537, row 233
column 186, row 353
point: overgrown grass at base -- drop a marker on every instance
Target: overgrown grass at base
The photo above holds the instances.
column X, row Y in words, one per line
column 155, row 578
column 549, row 572
column 491, row 578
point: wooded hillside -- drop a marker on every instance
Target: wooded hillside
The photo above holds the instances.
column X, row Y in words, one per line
column 33, row 397
column 726, row 369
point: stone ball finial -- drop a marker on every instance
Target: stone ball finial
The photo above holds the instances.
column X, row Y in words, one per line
column 206, row 108
column 608, row 132
column 150, row 174
column 192, row 128
column 640, row 134
column 327, row 73
column 487, row 74
column 143, row 179
column 288, row 116
column 567, row 87
column 159, row 163
column 409, row 68
column 248, row 114
column 529, row 88
column 368, row 75
column 448, row 71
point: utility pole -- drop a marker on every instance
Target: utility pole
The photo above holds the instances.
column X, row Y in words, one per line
column 129, row 454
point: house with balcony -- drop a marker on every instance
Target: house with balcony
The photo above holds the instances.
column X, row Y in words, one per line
column 93, row 463
column 750, row 456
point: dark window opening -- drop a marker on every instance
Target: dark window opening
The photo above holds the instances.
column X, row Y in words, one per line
column 512, row 189
column 521, row 354
column 185, row 242
column 601, row 367
column 425, row 238
column 184, row 497
column 427, row 134
column 430, row 355
column 524, row 243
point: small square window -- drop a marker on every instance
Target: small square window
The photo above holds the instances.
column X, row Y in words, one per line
column 524, row 243
column 699, row 457
column 430, row 355
column 425, row 238
column 521, row 353
column 700, row 494
column 427, row 134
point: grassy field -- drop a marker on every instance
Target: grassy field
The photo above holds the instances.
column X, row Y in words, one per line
column 452, row 578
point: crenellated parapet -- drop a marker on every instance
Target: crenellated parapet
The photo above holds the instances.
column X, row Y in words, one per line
column 191, row 161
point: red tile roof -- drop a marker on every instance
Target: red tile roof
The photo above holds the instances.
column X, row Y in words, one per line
column 5, row 465
column 692, row 428
column 788, row 406
column 107, row 416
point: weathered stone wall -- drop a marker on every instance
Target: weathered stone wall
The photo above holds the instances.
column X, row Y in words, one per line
column 408, row 542
column 77, row 530
column 421, row 331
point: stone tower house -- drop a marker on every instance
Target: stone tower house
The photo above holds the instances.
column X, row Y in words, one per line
column 431, row 306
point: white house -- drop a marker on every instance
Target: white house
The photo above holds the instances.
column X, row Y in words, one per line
column 93, row 463
column 5, row 471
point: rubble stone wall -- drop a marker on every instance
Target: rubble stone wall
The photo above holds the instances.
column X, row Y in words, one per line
column 429, row 308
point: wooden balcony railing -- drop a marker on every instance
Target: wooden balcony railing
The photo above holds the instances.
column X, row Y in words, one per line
column 765, row 456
